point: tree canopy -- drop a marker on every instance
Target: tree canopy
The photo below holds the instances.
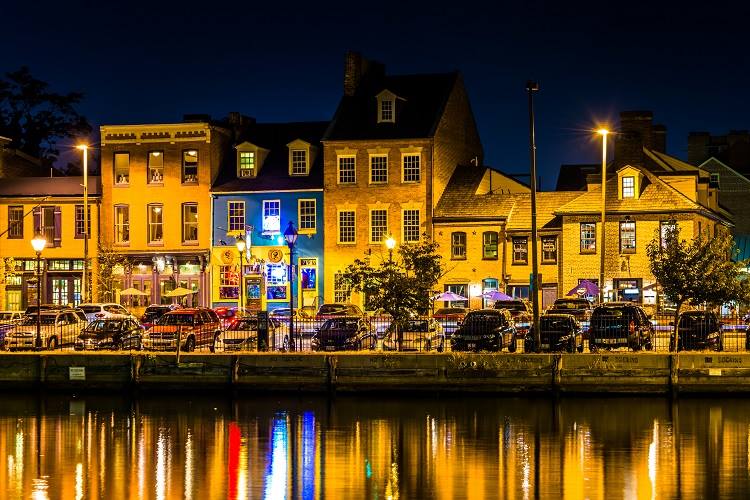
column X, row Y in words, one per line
column 36, row 118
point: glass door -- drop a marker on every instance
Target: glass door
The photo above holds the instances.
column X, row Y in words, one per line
column 60, row 291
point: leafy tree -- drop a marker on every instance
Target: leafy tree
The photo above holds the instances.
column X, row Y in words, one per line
column 35, row 118
column 107, row 261
column 401, row 286
column 699, row 271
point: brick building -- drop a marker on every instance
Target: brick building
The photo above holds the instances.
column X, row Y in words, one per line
column 392, row 146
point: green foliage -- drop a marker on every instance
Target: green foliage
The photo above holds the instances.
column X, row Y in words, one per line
column 36, row 118
column 107, row 261
column 402, row 286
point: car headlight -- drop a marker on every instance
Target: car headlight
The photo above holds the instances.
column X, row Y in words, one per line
column 713, row 335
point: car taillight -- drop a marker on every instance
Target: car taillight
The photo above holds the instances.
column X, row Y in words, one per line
column 99, row 315
column 631, row 327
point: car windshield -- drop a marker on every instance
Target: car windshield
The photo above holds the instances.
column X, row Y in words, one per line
column 340, row 324
column 692, row 320
column 570, row 304
column 609, row 312
column 514, row 305
column 332, row 309
column 45, row 319
column 176, row 319
column 91, row 309
column 104, row 326
column 482, row 318
column 244, row 324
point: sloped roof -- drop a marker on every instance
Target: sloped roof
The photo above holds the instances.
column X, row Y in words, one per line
column 420, row 104
column 547, row 203
column 274, row 173
column 49, row 186
column 659, row 162
column 459, row 200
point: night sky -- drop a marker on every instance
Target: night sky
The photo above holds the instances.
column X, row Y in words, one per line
column 282, row 62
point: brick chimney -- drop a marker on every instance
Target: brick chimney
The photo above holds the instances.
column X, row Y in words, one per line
column 636, row 132
column 698, row 147
column 356, row 69
column 659, row 138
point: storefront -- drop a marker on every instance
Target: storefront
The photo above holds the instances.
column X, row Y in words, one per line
column 157, row 275
column 60, row 285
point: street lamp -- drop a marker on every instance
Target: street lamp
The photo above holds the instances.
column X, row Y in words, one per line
column 604, row 133
column 290, row 235
column 390, row 244
column 38, row 244
column 241, row 249
column 85, row 149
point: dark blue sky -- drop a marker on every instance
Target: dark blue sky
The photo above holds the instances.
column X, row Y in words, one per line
column 278, row 61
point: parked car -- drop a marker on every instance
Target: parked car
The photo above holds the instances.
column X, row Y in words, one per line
column 327, row 311
column 557, row 332
column 416, row 335
column 113, row 332
column 154, row 312
column 485, row 330
column 57, row 328
column 521, row 312
column 449, row 317
column 699, row 330
column 620, row 324
column 242, row 335
column 581, row 308
column 380, row 321
column 103, row 310
column 45, row 307
column 345, row 333
column 196, row 326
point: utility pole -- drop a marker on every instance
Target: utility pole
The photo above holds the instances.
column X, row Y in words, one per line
column 532, row 87
column 603, row 132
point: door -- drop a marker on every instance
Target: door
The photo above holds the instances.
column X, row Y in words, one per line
column 60, row 291
column 549, row 295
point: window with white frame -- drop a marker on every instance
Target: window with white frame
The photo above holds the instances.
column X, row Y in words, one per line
column 665, row 228
column 347, row 170
column 271, row 216
column 122, row 224
column 347, row 226
column 236, row 211
column 79, row 231
column 628, row 187
column 341, row 290
column 189, row 222
column 411, row 226
column 549, row 249
column 229, row 281
column 489, row 245
column 247, row 164
column 189, row 166
column 155, row 173
column 714, row 179
column 15, row 222
column 122, row 168
column 588, row 237
column 520, row 250
column 378, row 225
column 299, row 162
column 458, row 245
column 385, row 113
column 411, row 168
column 155, row 224
column 378, row 169
column 627, row 236
column 306, row 216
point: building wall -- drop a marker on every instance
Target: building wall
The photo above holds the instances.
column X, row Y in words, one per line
column 734, row 190
column 519, row 274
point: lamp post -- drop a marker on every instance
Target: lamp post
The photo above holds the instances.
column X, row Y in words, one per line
column 38, row 244
column 290, row 235
column 84, row 287
column 390, row 244
column 241, row 249
column 532, row 87
column 603, row 132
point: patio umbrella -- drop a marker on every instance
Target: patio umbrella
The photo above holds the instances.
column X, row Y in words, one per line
column 132, row 291
column 585, row 287
column 180, row 292
column 496, row 295
column 449, row 297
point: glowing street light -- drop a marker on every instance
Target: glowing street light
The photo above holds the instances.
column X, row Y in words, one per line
column 290, row 235
column 390, row 244
column 38, row 244
column 604, row 133
column 241, row 249
column 84, row 289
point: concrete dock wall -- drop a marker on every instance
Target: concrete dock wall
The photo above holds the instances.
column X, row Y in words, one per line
column 348, row 372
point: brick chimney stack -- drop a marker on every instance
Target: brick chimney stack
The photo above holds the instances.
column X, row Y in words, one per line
column 356, row 69
column 635, row 133
column 659, row 138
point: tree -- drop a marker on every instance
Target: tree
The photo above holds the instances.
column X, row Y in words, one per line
column 699, row 271
column 35, row 118
column 108, row 260
column 401, row 286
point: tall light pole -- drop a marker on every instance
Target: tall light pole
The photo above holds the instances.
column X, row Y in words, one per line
column 290, row 235
column 390, row 244
column 38, row 244
column 241, row 249
column 532, row 87
column 604, row 133
column 84, row 285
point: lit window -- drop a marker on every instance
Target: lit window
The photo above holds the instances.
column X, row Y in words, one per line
column 411, row 226
column 229, row 282
column 458, row 290
column 520, row 250
column 236, row 211
column 549, row 249
column 122, row 168
column 155, row 167
column 347, row 226
column 247, row 163
column 190, row 166
column 79, row 232
column 411, row 170
column 122, row 224
column 386, row 110
column 347, row 172
column 276, row 281
column 627, row 236
column 378, row 225
column 15, row 222
column 489, row 245
column 271, row 216
column 307, row 219
column 189, row 222
column 458, row 245
column 299, row 162
column 155, row 224
column 665, row 227
column 628, row 187
column 341, row 291
column 378, row 169
column 588, row 237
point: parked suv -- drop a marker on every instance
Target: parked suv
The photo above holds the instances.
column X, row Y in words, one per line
column 620, row 324
column 103, row 310
column 521, row 312
column 485, row 330
column 578, row 307
column 699, row 330
column 557, row 332
column 57, row 328
column 196, row 326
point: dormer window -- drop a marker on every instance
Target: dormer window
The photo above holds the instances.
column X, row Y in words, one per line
column 628, row 187
column 299, row 162
column 386, row 107
column 301, row 156
column 629, row 183
column 247, row 163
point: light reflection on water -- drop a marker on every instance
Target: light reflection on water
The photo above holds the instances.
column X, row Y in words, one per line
column 212, row 448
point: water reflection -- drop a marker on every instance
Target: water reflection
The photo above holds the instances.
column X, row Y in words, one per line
column 475, row 448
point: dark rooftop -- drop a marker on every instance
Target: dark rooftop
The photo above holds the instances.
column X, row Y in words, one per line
column 49, row 186
column 573, row 177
